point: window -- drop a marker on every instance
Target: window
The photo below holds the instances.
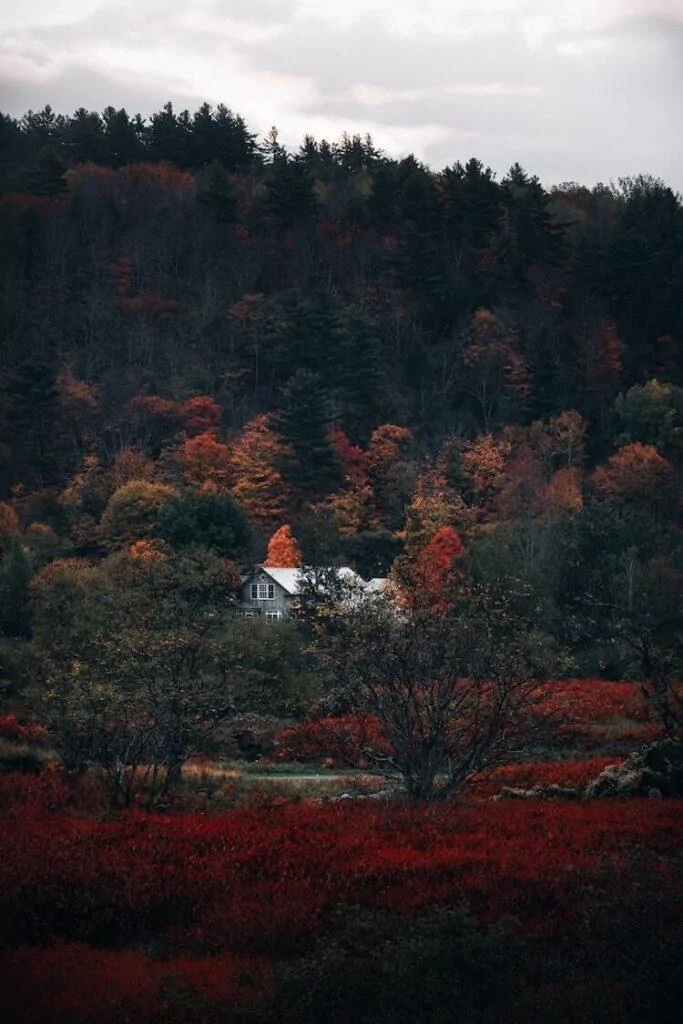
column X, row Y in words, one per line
column 263, row 591
column 273, row 615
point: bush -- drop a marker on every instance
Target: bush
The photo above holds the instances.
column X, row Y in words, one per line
column 381, row 969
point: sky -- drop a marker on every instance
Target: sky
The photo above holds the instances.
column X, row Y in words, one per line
column 574, row 90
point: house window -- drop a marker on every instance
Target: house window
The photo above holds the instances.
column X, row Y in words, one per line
column 263, row 591
column 273, row 615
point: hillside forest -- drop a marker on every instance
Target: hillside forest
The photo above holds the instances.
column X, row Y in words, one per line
column 205, row 337
column 216, row 354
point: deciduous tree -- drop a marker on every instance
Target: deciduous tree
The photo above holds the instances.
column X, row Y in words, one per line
column 452, row 686
column 283, row 550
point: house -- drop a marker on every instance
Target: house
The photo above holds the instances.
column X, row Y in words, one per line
column 270, row 592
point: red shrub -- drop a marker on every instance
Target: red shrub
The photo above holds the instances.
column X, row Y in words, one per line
column 595, row 701
column 21, row 732
column 267, row 882
column 50, row 792
column 338, row 741
column 576, row 774
column 81, row 985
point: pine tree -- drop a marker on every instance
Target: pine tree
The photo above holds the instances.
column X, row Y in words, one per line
column 290, row 193
column 85, row 137
column 124, row 140
column 313, row 467
column 217, row 194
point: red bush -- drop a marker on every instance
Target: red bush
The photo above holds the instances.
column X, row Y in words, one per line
column 340, row 742
column 77, row 984
column 575, row 774
column 267, row 882
column 21, row 732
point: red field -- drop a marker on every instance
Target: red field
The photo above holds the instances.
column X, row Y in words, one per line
column 287, row 912
column 246, row 890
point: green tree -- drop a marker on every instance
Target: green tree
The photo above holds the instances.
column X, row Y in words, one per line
column 123, row 137
column 134, row 657
column 132, row 512
column 302, row 423
column 217, row 194
column 85, row 136
column 651, row 414
column 33, row 407
column 201, row 519
column 290, row 193
column 16, row 571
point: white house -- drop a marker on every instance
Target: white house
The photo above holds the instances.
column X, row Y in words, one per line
column 269, row 591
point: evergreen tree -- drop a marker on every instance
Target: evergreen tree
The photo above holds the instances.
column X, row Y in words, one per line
column 235, row 145
column 217, row 194
column 302, row 423
column 167, row 136
column 355, row 371
column 11, row 145
column 290, row 193
column 124, row 140
column 45, row 176
column 32, row 400
column 85, row 137
column 205, row 520
column 16, row 572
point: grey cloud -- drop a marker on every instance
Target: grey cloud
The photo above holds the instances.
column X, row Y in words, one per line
column 338, row 57
column 80, row 86
column 605, row 112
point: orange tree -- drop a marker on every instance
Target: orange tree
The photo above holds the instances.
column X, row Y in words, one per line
column 283, row 549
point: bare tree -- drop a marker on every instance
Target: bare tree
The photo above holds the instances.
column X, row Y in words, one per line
column 455, row 688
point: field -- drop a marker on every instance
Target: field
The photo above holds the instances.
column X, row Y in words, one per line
column 310, row 910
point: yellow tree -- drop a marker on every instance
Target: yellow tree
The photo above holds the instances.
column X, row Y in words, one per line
column 283, row 550
column 495, row 374
column 257, row 481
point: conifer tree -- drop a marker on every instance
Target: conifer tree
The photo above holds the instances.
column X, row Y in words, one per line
column 313, row 466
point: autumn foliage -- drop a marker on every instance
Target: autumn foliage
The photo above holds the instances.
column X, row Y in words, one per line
column 283, row 550
column 237, row 894
column 433, row 572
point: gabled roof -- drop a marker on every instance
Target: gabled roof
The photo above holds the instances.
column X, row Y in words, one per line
column 287, row 578
column 290, row 579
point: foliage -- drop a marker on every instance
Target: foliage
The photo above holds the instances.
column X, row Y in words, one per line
column 257, row 456
column 283, row 550
column 132, row 662
column 132, row 512
column 203, row 519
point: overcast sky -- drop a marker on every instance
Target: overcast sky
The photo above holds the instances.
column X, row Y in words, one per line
column 583, row 90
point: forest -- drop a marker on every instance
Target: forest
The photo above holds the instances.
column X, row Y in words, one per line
column 219, row 354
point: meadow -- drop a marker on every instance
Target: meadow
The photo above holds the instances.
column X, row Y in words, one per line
column 313, row 909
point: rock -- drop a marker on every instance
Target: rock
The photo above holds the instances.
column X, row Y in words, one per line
column 656, row 770
column 553, row 792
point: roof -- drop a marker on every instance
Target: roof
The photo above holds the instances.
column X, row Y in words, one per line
column 290, row 579
column 376, row 584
